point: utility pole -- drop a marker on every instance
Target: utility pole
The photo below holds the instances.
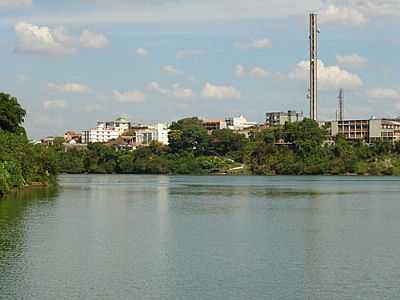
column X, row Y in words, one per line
column 313, row 67
column 341, row 105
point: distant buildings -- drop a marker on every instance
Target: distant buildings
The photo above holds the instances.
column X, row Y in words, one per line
column 122, row 132
column 367, row 130
column 281, row 118
column 239, row 123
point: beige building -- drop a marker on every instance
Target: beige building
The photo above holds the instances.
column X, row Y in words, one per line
column 367, row 130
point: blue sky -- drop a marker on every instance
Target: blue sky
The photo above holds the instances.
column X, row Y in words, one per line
column 71, row 63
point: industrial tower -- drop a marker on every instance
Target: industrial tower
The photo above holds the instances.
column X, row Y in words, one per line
column 341, row 105
column 313, row 90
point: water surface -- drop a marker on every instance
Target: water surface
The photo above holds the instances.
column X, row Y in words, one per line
column 160, row 237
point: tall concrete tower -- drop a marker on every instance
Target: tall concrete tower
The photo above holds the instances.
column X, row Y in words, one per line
column 341, row 105
column 313, row 67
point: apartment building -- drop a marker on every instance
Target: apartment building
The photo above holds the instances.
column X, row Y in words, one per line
column 367, row 130
column 281, row 118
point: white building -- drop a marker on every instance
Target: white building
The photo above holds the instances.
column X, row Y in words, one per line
column 106, row 131
column 162, row 133
column 239, row 123
column 120, row 125
column 158, row 133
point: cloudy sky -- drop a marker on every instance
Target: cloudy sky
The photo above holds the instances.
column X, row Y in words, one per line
column 73, row 62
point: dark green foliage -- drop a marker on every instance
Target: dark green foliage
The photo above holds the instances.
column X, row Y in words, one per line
column 21, row 162
column 188, row 135
column 11, row 113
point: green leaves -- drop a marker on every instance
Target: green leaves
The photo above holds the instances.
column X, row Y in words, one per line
column 11, row 113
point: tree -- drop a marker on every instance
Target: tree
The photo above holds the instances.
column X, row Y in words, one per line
column 188, row 135
column 226, row 141
column 11, row 113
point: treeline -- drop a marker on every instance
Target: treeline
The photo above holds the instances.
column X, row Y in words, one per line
column 21, row 163
column 294, row 149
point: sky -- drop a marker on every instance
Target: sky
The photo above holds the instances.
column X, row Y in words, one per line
column 72, row 63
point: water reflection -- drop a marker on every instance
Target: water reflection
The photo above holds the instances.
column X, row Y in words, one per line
column 16, row 211
column 183, row 237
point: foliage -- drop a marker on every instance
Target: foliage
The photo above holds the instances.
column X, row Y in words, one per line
column 11, row 113
column 193, row 151
column 21, row 162
column 188, row 135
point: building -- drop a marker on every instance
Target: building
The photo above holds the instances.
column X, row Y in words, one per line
column 101, row 134
column 281, row 118
column 106, row 131
column 143, row 135
column 212, row 125
column 162, row 133
column 367, row 130
column 239, row 123
column 120, row 125
column 70, row 136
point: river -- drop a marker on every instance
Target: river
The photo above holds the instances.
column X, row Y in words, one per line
column 184, row 237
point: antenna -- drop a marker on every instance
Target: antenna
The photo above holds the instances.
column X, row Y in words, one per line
column 341, row 105
column 313, row 67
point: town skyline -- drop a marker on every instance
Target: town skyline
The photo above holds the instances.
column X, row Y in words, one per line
column 70, row 73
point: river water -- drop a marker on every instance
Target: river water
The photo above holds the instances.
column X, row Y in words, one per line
column 183, row 237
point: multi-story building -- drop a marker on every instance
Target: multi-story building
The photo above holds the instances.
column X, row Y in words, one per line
column 143, row 135
column 106, row 131
column 239, row 123
column 162, row 133
column 367, row 130
column 212, row 125
column 120, row 125
column 281, row 118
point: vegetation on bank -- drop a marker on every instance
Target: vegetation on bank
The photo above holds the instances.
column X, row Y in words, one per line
column 294, row 149
column 21, row 163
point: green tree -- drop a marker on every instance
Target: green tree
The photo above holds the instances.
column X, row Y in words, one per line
column 188, row 135
column 11, row 113
column 225, row 141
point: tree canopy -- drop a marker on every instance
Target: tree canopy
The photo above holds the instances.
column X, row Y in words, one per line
column 11, row 113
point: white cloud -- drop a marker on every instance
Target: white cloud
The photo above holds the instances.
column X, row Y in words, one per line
column 73, row 88
column 42, row 40
column 351, row 60
column 254, row 44
column 154, row 86
column 170, row 70
column 141, row 52
column 90, row 39
column 181, row 93
column 258, row 73
column 15, row 3
column 122, row 12
column 134, row 96
column 384, row 93
column 220, row 92
column 342, row 15
column 175, row 91
column 329, row 77
column 54, row 104
column 358, row 12
column 240, row 71
column 183, row 54
column 255, row 72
